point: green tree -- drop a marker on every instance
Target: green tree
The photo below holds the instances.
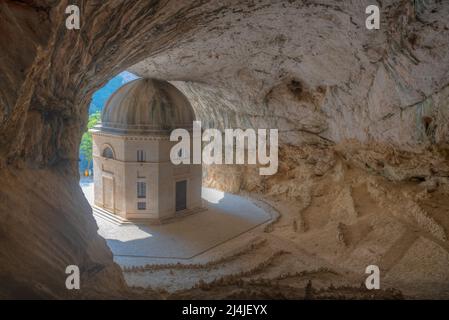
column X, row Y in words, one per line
column 86, row 140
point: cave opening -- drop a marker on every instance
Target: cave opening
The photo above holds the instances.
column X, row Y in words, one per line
column 140, row 201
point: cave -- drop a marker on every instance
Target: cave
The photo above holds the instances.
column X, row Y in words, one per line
column 360, row 114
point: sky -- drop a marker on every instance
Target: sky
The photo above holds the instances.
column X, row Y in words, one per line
column 100, row 97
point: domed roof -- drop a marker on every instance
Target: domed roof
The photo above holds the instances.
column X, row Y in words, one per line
column 147, row 106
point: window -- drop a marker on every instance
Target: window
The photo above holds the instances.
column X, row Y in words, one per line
column 141, row 205
column 140, row 155
column 141, row 190
column 108, row 153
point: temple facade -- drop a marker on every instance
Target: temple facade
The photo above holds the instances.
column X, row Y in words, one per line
column 133, row 174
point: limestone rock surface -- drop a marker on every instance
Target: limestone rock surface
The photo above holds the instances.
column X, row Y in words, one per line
column 307, row 67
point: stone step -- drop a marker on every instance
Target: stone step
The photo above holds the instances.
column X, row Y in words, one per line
column 106, row 215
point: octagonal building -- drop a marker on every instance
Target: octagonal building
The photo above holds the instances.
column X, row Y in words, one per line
column 133, row 175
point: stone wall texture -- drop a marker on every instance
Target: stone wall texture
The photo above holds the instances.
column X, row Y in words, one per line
column 308, row 67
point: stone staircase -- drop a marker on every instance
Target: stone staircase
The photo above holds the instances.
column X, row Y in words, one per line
column 108, row 216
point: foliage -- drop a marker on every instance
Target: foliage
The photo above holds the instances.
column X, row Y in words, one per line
column 98, row 101
column 86, row 140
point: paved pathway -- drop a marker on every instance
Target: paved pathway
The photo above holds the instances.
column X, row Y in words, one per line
column 227, row 216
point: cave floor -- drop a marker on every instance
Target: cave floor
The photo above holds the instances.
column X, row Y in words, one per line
column 328, row 238
column 226, row 217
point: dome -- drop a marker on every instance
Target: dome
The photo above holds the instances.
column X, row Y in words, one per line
column 147, row 106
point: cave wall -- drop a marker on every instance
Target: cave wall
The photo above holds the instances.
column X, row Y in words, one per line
column 47, row 76
column 309, row 68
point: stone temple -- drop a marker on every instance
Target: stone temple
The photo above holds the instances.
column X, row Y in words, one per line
column 134, row 177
